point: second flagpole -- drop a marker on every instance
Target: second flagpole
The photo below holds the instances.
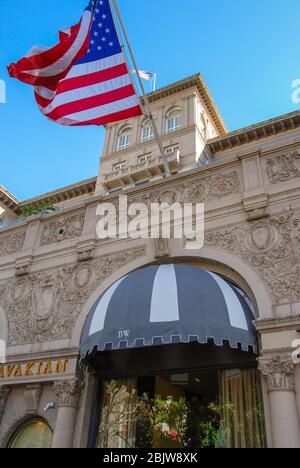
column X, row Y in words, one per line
column 146, row 102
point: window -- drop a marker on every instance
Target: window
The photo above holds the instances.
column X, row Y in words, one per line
column 119, row 166
column 124, row 139
column 173, row 122
column 204, row 409
column 33, row 434
column 144, row 158
column 147, row 133
column 170, row 150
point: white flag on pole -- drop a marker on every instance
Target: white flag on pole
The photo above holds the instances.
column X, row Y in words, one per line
column 148, row 76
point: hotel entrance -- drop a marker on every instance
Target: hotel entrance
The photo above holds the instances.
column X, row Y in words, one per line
column 216, row 409
column 174, row 351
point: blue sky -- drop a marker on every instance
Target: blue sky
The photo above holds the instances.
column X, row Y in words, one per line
column 247, row 50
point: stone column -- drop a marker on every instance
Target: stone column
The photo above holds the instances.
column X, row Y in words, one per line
column 279, row 373
column 4, row 392
column 69, row 393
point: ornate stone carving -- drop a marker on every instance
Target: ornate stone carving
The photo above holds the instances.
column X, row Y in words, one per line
column 32, row 395
column 84, row 255
column 257, row 214
column 284, row 167
column 11, row 244
column 211, row 188
column 68, row 392
column 85, row 251
column 4, row 392
column 272, row 247
column 168, row 196
column 23, row 265
column 196, row 191
column 279, row 373
column 44, row 306
column 161, row 248
column 65, row 228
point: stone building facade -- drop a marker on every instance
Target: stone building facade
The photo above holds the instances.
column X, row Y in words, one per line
column 53, row 268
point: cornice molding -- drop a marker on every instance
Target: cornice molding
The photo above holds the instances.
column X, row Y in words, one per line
column 8, row 200
column 85, row 187
column 202, row 88
column 79, row 189
column 262, row 130
column 277, row 323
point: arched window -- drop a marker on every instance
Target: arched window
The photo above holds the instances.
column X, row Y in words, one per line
column 34, row 433
column 173, row 120
column 147, row 133
column 124, row 138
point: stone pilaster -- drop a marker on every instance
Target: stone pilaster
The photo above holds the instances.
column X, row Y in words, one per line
column 69, row 394
column 279, row 374
column 4, row 393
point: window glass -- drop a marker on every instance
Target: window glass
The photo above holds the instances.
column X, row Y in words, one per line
column 123, row 142
column 144, row 158
column 173, row 123
column 34, row 434
column 216, row 409
column 119, row 166
column 147, row 133
column 170, row 150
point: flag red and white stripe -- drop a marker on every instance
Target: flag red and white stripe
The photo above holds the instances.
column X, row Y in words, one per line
column 148, row 76
column 84, row 79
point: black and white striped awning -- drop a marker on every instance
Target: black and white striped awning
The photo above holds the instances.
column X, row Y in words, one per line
column 169, row 304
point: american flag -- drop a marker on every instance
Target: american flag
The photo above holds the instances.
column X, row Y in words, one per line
column 146, row 75
column 84, row 79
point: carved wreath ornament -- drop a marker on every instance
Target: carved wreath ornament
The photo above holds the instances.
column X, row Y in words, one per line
column 284, row 167
column 44, row 306
column 272, row 247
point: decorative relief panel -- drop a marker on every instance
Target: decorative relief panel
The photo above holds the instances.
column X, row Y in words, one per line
column 212, row 188
column 283, row 167
column 197, row 191
column 62, row 229
column 44, row 306
column 272, row 247
column 11, row 244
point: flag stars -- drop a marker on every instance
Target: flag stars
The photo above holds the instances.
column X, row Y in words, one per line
column 103, row 38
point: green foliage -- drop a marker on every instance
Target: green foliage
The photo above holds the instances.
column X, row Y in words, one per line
column 40, row 208
column 160, row 422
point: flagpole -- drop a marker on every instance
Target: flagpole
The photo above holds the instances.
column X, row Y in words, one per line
column 146, row 102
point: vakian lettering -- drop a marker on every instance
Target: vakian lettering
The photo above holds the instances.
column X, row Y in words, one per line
column 31, row 369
